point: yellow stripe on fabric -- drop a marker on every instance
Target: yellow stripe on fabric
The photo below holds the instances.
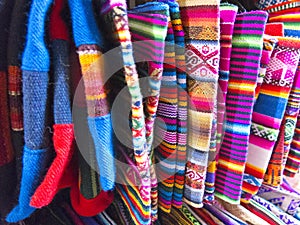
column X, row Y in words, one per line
column 95, row 97
column 274, row 93
column 232, row 166
column 88, row 59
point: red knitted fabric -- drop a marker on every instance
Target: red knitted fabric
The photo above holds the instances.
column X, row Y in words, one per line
column 63, row 139
column 274, row 29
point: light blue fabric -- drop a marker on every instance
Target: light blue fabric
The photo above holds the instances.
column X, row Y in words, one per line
column 101, row 130
column 36, row 56
column 85, row 29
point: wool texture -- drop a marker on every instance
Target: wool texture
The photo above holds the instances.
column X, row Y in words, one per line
column 277, row 7
column 190, row 215
column 63, row 134
column 7, row 153
column 137, row 203
column 33, row 161
column 293, row 162
column 291, row 24
column 89, row 178
column 269, row 44
column 227, row 17
column 182, row 104
column 286, row 218
column 274, row 29
column 16, row 43
column 287, row 200
column 90, row 45
column 267, row 118
column 165, row 153
column 263, row 213
column 82, row 205
column 242, row 213
column 202, row 45
column 156, row 31
column 35, row 84
column 239, row 103
column 274, row 176
column 224, row 217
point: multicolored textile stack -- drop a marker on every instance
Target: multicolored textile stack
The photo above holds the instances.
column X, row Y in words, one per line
column 247, row 40
column 184, row 112
column 201, row 25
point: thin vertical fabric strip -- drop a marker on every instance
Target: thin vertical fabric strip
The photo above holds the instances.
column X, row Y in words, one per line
column 202, row 64
column 227, row 17
column 268, row 112
column 63, row 134
column 167, row 112
column 90, row 45
column 35, row 85
column 246, row 52
column 153, row 36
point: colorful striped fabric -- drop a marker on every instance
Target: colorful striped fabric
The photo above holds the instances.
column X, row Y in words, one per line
column 287, row 200
column 227, row 17
column 63, row 134
column 263, row 213
column 277, row 7
column 154, row 36
column 167, row 113
column 286, row 218
column 291, row 24
column 293, row 162
column 136, row 202
column 247, row 43
column 268, row 47
column 182, row 104
column 90, row 45
column 201, row 25
column 268, row 112
column 275, row 170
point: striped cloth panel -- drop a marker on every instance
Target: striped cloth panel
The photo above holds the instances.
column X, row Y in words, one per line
column 167, row 125
column 283, row 216
column 293, row 162
column 246, row 52
column 227, row 17
column 291, row 28
column 154, row 34
column 182, row 104
column 201, row 25
column 268, row 112
column 268, row 47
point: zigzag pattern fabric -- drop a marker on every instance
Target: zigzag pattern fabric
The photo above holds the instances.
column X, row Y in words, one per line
column 266, row 120
column 202, row 63
column 247, row 43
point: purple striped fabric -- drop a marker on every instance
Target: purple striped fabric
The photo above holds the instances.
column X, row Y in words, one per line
column 246, row 51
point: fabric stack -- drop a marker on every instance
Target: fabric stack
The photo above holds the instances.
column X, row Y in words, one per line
column 181, row 112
